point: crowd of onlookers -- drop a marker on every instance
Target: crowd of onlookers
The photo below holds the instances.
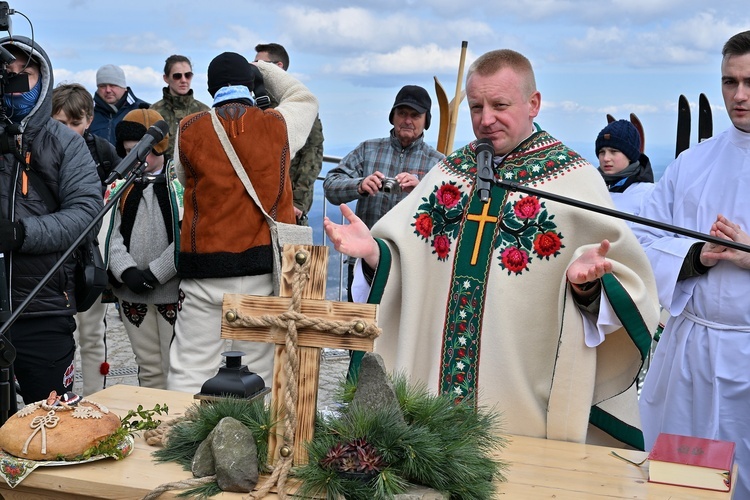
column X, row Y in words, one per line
column 553, row 308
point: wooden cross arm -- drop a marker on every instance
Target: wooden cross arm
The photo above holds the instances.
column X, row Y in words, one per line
column 254, row 306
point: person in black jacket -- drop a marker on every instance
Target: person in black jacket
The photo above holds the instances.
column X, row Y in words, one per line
column 73, row 105
column 49, row 158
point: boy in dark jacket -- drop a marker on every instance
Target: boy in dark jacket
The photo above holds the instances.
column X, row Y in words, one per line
column 73, row 106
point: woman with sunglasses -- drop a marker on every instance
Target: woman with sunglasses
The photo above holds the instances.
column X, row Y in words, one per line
column 178, row 100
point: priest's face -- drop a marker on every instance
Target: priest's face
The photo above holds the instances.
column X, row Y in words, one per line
column 502, row 108
column 735, row 87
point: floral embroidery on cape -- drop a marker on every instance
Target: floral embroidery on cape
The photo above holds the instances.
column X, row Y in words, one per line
column 527, row 229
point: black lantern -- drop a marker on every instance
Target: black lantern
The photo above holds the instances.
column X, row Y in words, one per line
column 233, row 380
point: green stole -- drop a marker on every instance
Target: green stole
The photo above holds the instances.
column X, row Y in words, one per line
column 465, row 307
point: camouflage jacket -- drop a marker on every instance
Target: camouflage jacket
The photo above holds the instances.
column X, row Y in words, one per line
column 306, row 166
column 174, row 108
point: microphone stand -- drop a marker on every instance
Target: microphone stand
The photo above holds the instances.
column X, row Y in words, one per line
column 515, row 186
column 8, row 404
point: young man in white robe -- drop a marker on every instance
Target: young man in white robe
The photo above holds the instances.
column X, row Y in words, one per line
column 699, row 381
column 539, row 309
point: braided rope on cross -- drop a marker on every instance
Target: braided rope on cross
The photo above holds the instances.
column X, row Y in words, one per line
column 300, row 324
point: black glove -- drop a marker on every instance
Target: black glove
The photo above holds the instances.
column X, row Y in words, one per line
column 11, row 235
column 138, row 281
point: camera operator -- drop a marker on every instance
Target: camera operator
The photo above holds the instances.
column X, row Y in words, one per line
column 49, row 193
column 381, row 172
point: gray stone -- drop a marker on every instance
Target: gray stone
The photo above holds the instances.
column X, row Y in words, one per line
column 421, row 493
column 203, row 462
column 235, row 456
column 374, row 387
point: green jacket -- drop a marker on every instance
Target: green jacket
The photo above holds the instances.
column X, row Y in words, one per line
column 173, row 108
column 306, row 166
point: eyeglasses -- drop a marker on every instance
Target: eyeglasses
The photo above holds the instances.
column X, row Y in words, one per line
column 178, row 76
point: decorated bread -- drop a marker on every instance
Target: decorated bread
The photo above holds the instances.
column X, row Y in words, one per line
column 60, row 428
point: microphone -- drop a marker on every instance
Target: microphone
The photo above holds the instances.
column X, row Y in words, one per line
column 485, row 171
column 137, row 155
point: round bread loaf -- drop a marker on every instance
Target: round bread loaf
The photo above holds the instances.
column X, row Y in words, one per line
column 57, row 430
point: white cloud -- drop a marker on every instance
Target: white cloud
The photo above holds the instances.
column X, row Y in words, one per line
column 405, row 60
column 355, row 29
column 141, row 43
column 242, row 40
column 691, row 41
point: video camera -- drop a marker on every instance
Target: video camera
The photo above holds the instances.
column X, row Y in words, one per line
column 10, row 83
column 259, row 89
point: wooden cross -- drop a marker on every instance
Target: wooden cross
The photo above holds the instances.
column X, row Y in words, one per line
column 309, row 341
column 482, row 219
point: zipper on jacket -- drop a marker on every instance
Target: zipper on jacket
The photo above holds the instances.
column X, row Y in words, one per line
column 25, row 176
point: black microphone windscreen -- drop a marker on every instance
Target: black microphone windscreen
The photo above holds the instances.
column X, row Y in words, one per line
column 158, row 130
column 485, row 145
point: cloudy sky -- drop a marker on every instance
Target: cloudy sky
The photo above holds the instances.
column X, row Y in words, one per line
column 591, row 57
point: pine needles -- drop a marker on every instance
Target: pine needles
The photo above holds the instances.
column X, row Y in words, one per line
column 425, row 439
column 444, row 446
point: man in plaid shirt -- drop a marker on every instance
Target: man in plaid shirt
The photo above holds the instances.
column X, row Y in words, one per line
column 381, row 172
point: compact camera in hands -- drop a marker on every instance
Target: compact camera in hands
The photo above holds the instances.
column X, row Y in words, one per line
column 390, row 185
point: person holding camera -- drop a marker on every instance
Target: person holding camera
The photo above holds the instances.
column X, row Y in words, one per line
column 379, row 173
column 50, row 159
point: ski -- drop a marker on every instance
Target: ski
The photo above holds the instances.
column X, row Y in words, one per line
column 683, row 125
column 443, row 106
column 639, row 127
column 705, row 119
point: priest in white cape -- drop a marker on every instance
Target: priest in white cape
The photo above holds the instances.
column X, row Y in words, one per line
column 539, row 309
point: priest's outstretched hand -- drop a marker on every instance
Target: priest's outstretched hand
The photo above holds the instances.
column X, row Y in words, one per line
column 353, row 239
column 590, row 266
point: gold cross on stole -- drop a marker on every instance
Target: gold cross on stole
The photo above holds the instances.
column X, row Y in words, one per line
column 482, row 219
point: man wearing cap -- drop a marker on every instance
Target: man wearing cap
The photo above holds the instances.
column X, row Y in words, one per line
column 49, row 193
column 225, row 241
column 403, row 157
column 112, row 101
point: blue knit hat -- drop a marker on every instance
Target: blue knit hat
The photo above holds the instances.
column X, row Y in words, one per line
column 622, row 136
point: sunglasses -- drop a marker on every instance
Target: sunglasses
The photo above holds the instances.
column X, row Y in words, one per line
column 178, row 76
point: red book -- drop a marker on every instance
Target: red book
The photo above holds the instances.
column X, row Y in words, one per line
column 691, row 461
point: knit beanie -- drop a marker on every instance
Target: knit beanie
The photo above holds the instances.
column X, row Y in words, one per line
column 229, row 68
column 134, row 126
column 622, row 136
column 111, row 74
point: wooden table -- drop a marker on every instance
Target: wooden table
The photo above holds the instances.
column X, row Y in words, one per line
column 539, row 468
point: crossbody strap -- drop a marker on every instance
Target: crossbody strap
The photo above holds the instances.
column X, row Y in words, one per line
column 232, row 155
